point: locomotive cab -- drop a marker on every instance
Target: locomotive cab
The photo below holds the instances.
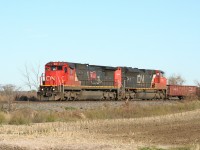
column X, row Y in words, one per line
column 60, row 73
column 159, row 80
column 55, row 74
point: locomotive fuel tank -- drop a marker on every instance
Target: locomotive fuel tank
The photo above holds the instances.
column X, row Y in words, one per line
column 150, row 94
column 145, row 96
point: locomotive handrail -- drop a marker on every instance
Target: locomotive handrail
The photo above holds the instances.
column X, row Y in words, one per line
column 139, row 85
column 41, row 79
column 95, row 83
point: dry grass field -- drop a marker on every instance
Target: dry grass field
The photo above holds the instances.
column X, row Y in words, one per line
column 175, row 127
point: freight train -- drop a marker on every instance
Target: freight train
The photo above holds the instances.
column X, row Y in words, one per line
column 75, row 81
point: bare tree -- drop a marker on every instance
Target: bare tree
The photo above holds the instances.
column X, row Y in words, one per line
column 27, row 77
column 197, row 83
column 36, row 76
column 31, row 76
column 176, row 80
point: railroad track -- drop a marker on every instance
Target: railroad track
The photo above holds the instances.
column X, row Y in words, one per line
column 96, row 101
column 63, row 105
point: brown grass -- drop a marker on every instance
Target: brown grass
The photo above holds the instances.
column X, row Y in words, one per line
column 137, row 111
column 17, row 96
column 126, row 111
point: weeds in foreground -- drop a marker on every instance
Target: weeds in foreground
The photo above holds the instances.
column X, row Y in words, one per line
column 151, row 148
column 138, row 111
column 154, row 148
column 2, row 118
column 27, row 116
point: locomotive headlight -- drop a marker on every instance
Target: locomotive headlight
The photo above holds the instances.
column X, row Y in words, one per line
column 53, row 89
column 42, row 89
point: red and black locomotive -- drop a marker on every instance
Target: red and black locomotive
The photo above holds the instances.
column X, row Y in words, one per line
column 75, row 81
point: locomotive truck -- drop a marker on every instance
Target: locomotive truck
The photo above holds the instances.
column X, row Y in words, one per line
column 75, row 81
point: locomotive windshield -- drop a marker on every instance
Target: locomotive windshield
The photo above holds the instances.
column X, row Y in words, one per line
column 162, row 74
column 54, row 68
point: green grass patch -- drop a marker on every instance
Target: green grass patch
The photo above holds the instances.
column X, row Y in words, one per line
column 2, row 118
column 51, row 117
column 20, row 117
column 151, row 148
column 70, row 108
column 180, row 148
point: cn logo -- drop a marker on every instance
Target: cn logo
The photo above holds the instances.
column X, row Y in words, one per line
column 93, row 75
column 49, row 78
column 140, row 78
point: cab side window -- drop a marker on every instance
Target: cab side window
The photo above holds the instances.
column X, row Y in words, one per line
column 59, row 67
column 71, row 71
column 65, row 70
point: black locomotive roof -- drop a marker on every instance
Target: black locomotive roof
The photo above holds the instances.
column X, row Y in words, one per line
column 129, row 69
column 104, row 67
column 135, row 70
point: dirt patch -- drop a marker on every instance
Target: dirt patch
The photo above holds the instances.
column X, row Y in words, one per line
column 176, row 130
column 180, row 129
column 174, row 133
column 57, row 136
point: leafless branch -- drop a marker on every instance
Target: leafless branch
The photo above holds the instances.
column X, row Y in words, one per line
column 36, row 73
column 31, row 76
column 176, row 80
column 197, row 83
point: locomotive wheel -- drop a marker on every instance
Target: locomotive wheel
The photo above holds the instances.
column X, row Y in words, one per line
column 106, row 95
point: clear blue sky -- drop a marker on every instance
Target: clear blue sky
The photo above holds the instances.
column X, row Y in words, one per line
column 154, row 34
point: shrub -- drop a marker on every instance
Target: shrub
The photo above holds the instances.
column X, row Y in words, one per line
column 39, row 117
column 20, row 117
column 51, row 117
column 2, row 118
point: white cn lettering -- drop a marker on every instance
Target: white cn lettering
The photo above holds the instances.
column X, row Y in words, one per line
column 140, row 78
column 49, row 78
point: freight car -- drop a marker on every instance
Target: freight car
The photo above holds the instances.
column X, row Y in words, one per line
column 198, row 92
column 181, row 92
column 75, row 81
